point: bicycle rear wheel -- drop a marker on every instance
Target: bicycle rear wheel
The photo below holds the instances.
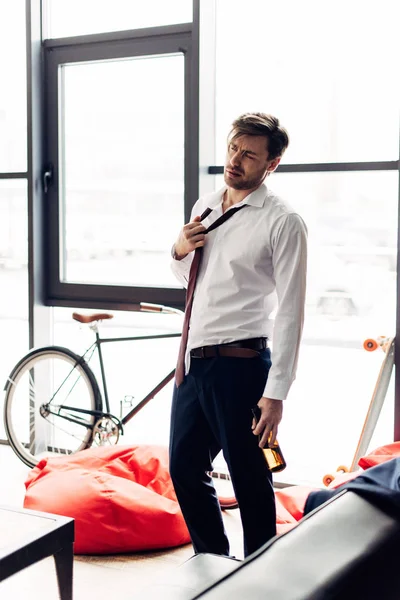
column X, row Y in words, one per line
column 38, row 391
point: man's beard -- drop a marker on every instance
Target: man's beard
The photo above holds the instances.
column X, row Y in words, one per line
column 246, row 184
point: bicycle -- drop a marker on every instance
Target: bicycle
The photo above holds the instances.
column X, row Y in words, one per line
column 53, row 403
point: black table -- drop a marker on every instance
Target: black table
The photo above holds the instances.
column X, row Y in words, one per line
column 27, row 536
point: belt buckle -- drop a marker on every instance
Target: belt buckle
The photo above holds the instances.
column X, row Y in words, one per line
column 202, row 352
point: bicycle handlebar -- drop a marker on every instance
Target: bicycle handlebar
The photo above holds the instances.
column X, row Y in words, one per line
column 160, row 308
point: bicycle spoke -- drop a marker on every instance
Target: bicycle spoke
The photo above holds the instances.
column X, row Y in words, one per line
column 62, row 385
column 69, row 433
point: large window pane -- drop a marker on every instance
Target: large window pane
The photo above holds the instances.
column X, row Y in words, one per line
column 328, row 70
column 14, row 331
column 74, row 17
column 352, row 225
column 351, row 296
column 122, row 164
column 13, row 87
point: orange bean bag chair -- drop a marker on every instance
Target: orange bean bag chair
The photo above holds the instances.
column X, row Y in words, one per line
column 380, row 455
column 290, row 501
column 122, row 498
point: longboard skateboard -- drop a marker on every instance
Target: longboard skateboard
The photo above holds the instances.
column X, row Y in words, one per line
column 375, row 406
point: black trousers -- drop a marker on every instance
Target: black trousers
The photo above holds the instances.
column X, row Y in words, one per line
column 211, row 410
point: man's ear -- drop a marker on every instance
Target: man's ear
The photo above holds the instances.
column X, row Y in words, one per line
column 273, row 165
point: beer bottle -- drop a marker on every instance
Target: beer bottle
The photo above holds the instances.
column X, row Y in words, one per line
column 273, row 453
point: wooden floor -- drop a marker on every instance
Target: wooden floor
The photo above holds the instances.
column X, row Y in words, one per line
column 110, row 577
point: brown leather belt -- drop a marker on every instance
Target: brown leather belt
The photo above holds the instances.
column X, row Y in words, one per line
column 241, row 349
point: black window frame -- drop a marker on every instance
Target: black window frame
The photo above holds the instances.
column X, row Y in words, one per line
column 134, row 43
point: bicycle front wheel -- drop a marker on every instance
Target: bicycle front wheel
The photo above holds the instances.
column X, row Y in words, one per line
column 50, row 399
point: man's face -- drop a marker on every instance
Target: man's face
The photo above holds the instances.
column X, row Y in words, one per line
column 247, row 163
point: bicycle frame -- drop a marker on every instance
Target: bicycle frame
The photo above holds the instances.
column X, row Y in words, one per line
column 141, row 404
column 98, row 343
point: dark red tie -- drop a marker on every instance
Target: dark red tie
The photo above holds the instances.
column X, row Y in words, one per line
column 194, row 269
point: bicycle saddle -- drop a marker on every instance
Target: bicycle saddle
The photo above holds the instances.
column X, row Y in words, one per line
column 90, row 318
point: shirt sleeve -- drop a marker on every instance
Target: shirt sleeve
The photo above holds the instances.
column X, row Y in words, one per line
column 289, row 259
column 181, row 268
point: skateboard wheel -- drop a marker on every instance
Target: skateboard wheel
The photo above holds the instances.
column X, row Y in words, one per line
column 343, row 469
column 370, row 345
column 327, row 479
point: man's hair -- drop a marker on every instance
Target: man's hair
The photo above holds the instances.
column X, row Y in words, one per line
column 263, row 125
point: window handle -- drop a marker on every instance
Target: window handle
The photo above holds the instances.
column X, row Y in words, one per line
column 47, row 177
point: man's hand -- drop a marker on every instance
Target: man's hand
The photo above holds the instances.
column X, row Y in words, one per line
column 271, row 416
column 191, row 237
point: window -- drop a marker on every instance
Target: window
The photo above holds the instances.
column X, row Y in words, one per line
column 328, row 70
column 338, row 94
column 13, row 276
column 74, row 17
column 122, row 194
column 13, row 87
column 120, row 120
column 14, row 304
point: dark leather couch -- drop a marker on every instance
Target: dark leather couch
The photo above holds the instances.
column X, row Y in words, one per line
column 348, row 548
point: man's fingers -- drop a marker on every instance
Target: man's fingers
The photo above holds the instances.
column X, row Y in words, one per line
column 192, row 235
column 197, row 238
column 190, row 232
column 274, row 433
column 192, row 227
column 263, row 443
column 267, row 427
column 267, row 432
column 258, row 427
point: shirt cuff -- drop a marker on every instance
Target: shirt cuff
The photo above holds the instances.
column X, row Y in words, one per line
column 184, row 261
column 181, row 269
column 277, row 390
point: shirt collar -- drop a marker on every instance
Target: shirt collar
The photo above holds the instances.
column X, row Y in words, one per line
column 256, row 198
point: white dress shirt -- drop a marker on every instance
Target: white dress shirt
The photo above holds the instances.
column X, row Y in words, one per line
column 253, row 265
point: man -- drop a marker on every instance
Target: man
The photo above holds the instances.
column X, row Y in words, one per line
column 247, row 262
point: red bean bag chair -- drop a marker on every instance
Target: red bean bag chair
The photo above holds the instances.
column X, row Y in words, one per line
column 284, row 520
column 121, row 498
column 290, row 501
column 380, row 455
